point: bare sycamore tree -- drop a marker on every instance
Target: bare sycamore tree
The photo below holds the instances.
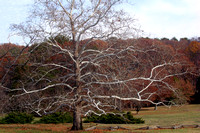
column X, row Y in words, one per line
column 83, row 75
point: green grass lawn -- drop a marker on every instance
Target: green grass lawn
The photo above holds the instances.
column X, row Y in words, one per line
column 185, row 115
column 178, row 115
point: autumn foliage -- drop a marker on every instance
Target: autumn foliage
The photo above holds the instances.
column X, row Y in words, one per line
column 16, row 63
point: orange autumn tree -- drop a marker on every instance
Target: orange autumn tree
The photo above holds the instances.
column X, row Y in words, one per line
column 184, row 84
column 194, row 51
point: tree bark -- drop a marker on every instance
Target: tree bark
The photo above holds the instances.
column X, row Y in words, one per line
column 131, row 105
column 155, row 108
column 120, row 105
column 77, row 120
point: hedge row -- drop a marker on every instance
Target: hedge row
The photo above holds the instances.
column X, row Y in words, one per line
column 17, row 118
column 22, row 118
column 114, row 119
column 58, row 117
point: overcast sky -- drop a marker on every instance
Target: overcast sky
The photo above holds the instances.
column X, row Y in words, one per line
column 157, row 18
column 168, row 18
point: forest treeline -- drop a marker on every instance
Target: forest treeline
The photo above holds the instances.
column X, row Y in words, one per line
column 18, row 62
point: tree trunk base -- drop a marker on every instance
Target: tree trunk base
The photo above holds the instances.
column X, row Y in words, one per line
column 77, row 120
column 75, row 128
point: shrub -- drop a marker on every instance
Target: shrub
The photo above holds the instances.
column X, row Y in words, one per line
column 17, row 118
column 56, row 118
column 133, row 120
column 114, row 119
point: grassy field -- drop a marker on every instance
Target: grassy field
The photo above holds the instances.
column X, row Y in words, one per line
column 185, row 115
column 179, row 115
